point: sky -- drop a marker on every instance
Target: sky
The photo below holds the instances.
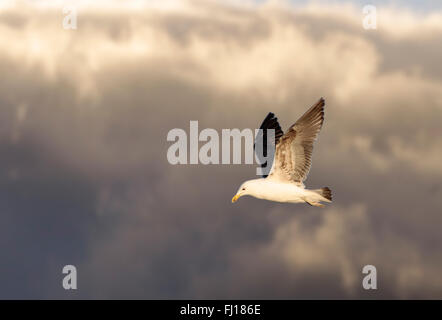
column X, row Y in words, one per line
column 424, row 6
column 84, row 176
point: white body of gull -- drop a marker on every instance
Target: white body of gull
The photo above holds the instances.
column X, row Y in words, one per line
column 292, row 162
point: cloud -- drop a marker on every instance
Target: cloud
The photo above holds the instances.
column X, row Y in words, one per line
column 85, row 178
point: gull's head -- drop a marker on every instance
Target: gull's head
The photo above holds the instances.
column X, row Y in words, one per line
column 249, row 187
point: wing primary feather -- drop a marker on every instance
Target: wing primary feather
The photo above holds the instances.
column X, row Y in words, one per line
column 270, row 122
column 294, row 152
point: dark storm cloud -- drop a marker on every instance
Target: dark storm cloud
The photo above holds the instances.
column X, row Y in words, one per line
column 85, row 178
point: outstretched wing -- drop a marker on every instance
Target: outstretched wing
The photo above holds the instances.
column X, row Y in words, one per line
column 260, row 146
column 293, row 155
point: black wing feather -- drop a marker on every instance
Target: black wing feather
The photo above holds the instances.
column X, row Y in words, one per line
column 270, row 122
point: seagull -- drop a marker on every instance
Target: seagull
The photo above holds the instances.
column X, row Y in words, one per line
column 291, row 163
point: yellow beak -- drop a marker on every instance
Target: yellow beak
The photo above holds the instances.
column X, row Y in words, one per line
column 236, row 197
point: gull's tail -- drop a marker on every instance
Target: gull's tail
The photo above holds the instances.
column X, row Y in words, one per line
column 325, row 192
column 324, row 195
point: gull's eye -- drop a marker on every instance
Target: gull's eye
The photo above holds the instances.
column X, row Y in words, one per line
column 243, row 189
